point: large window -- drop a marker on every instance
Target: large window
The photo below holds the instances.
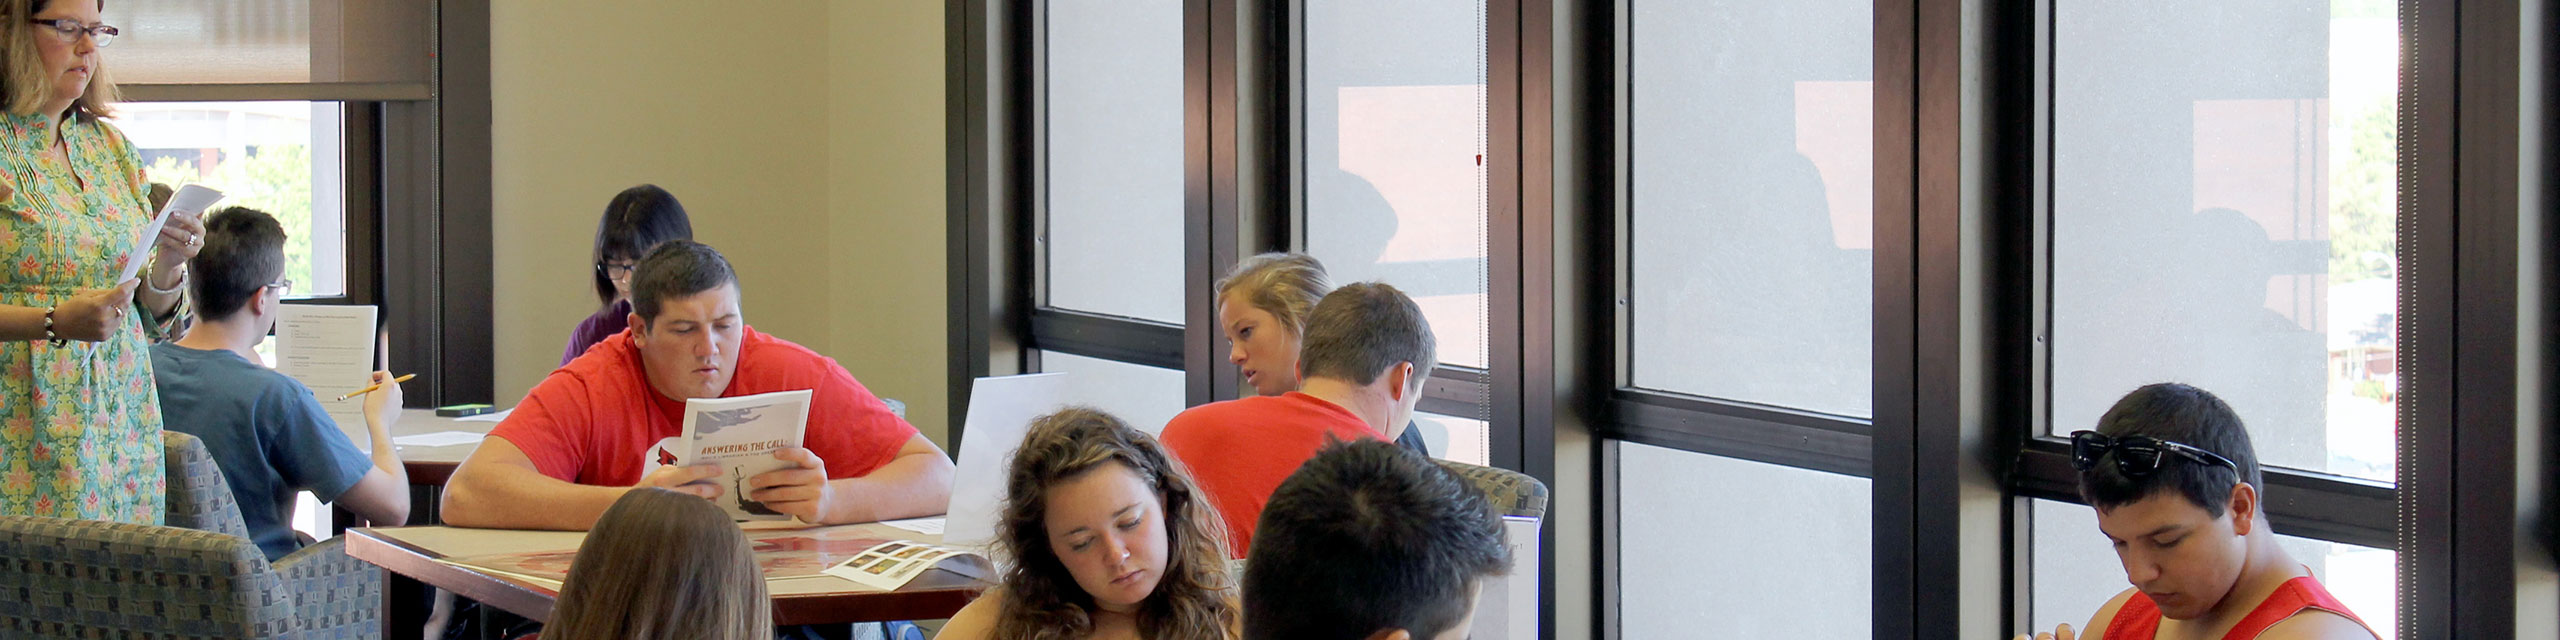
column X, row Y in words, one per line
column 285, row 158
column 1752, row 198
column 2223, row 216
column 1393, row 100
column 1852, row 270
column 1114, row 163
column 1394, row 165
column 2224, row 212
column 1747, row 260
column 1110, row 203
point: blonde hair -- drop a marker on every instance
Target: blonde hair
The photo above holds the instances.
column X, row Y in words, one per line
column 667, row 566
column 1285, row 285
column 24, row 86
column 1042, row 600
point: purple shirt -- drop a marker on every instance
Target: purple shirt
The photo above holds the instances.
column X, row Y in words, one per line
column 606, row 322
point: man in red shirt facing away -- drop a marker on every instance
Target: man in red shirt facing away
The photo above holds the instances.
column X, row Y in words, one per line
column 1367, row 352
column 609, row 421
column 2177, row 489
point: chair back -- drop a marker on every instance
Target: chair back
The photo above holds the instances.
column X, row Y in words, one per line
column 198, row 497
column 94, row 579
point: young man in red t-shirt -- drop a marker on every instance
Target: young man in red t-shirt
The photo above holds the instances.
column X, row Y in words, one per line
column 608, row 421
column 2176, row 485
column 1367, row 353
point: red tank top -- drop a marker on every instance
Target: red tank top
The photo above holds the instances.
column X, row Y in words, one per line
column 2139, row 618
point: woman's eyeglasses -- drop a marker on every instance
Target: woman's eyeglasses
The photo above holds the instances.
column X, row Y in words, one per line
column 615, row 271
column 2136, row 456
column 68, row 31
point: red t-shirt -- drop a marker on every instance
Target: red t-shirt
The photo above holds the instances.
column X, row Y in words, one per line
column 597, row 421
column 1240, row 450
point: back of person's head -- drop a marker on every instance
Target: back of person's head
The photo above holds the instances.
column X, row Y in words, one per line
column 243, row 252
column 662, row 565
column 638, row 220
column 2182, row 414
column 676, row 269
column 1285, row 285
column 1368, row 537
column 1362, row 329
column 1043, row 599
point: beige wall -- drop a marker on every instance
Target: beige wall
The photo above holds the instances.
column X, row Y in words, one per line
column 804, row 137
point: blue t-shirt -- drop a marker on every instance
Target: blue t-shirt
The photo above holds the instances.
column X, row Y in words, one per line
column 266, row 431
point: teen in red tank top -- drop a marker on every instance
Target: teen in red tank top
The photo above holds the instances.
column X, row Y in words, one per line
column 2175, row 483
column 2139, row 619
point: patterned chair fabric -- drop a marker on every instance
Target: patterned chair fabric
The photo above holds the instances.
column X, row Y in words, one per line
column 198, row 497
column 1512, row 493
column 199, row 577
column 91, row 579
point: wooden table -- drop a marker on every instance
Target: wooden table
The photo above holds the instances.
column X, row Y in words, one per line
column 428, row 466
column 413, row 552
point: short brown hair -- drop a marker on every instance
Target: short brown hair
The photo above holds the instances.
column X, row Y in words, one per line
column 243, row 252
column 663, row 565
column 1363, row 328
column 24, row 86
column 1042, row 600
column 1285, row 285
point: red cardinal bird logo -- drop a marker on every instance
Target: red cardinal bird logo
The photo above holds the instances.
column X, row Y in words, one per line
column 666, row 458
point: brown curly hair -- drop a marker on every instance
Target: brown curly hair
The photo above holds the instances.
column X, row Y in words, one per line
column 1042, row 600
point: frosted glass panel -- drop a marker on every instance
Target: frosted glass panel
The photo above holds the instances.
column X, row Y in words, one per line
column 1115, row 188
column 2223, row 215
column 1753, row 201
column 1395, row 143
column 1717, row 547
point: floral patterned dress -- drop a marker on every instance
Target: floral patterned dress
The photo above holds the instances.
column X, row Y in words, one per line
column 79, row 423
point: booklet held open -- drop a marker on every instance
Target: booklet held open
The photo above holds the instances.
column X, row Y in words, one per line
column 741, row 435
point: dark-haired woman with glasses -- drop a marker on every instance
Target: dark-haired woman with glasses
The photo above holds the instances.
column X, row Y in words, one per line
column 79, row 422
column 639, row 219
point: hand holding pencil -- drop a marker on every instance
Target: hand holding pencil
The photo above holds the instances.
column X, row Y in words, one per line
column 382, row 400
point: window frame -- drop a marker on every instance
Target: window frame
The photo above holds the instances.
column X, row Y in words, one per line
column 1955, row 451
column 417, row 203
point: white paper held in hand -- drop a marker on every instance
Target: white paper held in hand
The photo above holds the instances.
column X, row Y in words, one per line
column 193, row 199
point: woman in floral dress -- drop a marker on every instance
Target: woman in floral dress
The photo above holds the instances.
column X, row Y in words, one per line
column 79, row 421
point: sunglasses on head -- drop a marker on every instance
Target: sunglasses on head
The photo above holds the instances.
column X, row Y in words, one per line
column 2136, row 456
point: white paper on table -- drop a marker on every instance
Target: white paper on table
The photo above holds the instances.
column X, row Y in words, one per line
column 330, row 349
column 931, row 525
column 437, row 439
column 193, row 199
column 1000, row 412
column 493, row 416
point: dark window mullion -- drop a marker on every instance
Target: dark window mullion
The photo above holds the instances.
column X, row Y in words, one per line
column 1746, row 432
column 1130, row 340
column 2299, row 503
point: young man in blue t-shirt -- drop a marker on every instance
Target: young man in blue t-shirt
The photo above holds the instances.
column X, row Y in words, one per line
column 267, row 431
